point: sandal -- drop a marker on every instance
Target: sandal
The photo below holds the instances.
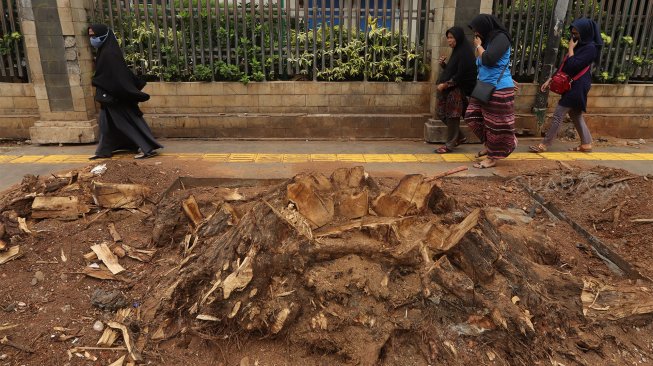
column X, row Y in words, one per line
column 481, row 154
column 580, row 148
column 96, row 157
column 146, row 155
column 539, row 148
column 443, row 150
column 486, row 163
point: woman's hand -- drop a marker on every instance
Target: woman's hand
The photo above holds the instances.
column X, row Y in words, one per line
column 572, row 44
column 441, row 87
column 545, row 86
column 442, row 60
column 477, row 41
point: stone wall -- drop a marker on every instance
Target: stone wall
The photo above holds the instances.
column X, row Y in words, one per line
column 18, row 110
column 347, row 110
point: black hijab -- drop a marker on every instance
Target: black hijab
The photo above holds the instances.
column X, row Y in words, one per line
column 462, row 63
column 488, row 26
column 111, row 71
column 590, row 34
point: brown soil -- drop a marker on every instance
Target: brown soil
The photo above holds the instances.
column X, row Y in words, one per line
column 272, row 285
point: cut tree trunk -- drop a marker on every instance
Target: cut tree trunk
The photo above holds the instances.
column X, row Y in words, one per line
column 111, row 195
column 68, row 208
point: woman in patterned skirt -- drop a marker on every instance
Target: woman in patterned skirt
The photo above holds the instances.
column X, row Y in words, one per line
column 493, row 122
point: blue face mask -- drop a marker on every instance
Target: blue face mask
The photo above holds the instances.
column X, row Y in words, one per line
column 97, row 41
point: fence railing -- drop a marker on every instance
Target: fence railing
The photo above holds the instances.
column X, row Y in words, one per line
column 13, row 66
column 264, row 40
column 627, row 26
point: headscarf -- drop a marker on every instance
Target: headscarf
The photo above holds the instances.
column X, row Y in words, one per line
column 462, row 57
column 488, row 26
column 111, row 71
column 590, row 34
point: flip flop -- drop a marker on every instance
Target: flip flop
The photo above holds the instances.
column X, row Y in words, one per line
column 581, row 149
column 537, row 148
column 443, row 150
column 461, row 141
column 484, row 164
column 481, row 154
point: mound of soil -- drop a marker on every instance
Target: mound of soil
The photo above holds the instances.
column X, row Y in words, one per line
column 339, row 269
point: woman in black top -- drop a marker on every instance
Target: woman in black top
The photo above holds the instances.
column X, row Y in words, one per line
column 118, row 91
column 454, row 86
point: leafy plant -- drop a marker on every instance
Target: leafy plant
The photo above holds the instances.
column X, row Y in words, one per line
column 8, row 41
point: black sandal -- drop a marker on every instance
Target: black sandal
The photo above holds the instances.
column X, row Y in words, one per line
column 146, row 155
column 96, row 157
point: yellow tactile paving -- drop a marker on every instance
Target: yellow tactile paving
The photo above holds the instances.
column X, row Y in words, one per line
column 7, row 158
column 27, row 159
column 269, row 158
column 354, row 158
column 215, row 157
column 429, row 158
column 403, row 158
column 456, row 158
column 324, row 157
column 377, row 158
column 242, row 158
column 296, row 158
column 56, row 158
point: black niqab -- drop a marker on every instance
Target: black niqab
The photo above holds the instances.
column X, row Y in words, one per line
column 111, row 71
column 462, row 62
column 488, row 26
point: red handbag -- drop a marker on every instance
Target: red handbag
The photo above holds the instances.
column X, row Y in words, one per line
column 561, row 82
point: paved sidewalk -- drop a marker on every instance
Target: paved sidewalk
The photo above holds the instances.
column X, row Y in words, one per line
column 274, row 158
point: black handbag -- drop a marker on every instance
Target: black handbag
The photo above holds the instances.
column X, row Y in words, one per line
column 483, row 91
column 103, row 97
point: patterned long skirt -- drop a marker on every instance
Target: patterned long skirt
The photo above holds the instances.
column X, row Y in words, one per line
column 494, row 122
column 451, row 103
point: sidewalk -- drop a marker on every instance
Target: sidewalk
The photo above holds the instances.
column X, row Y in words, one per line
column 277, row 159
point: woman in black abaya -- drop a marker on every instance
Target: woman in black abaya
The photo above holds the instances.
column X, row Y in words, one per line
column 118, row 91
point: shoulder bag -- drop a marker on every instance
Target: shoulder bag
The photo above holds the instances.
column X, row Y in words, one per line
column 561, row 82
column 483, row 91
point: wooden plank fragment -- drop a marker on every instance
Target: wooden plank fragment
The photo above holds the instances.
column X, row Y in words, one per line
column 114, row 233
column 128, row 339
column 11, row 254
column 67, row 208
column 107, row 257
column 110, row 195
column 192, row 210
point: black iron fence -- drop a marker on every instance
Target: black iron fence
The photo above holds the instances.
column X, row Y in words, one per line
column 13, row 66
column 627, row 27
column 260, row 40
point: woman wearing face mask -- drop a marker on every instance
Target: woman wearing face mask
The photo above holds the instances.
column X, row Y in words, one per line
column 584, row 49
column 118, row 91
column 493, row 122
column 455, row 84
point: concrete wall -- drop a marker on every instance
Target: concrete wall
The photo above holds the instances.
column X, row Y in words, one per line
column 325, row 110
column 18, row 110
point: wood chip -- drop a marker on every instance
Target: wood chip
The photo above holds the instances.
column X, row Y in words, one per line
column 9, row 255
column 105, row 255
column 22, row 225
column 101, row 273
column 207, row 317
column 128, row 339
column 192, row 210
column 114, row 233
column 3, row 246
column 108, row 337
column 143, row 255
column 118, row 362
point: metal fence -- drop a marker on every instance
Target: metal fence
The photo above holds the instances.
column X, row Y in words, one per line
column 265, row 40
column 13, row 67
column 627, row 26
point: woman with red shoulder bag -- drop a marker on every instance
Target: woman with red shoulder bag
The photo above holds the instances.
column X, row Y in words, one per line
column 584, row 49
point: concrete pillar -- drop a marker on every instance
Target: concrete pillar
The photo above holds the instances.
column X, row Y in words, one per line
column 61, row 67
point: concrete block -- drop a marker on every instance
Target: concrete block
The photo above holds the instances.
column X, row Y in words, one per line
column 52, row 132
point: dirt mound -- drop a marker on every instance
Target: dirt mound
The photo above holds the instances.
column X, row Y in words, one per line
column 340, row 269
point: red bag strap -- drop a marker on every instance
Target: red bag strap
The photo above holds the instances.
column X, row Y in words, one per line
column 581, row 73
